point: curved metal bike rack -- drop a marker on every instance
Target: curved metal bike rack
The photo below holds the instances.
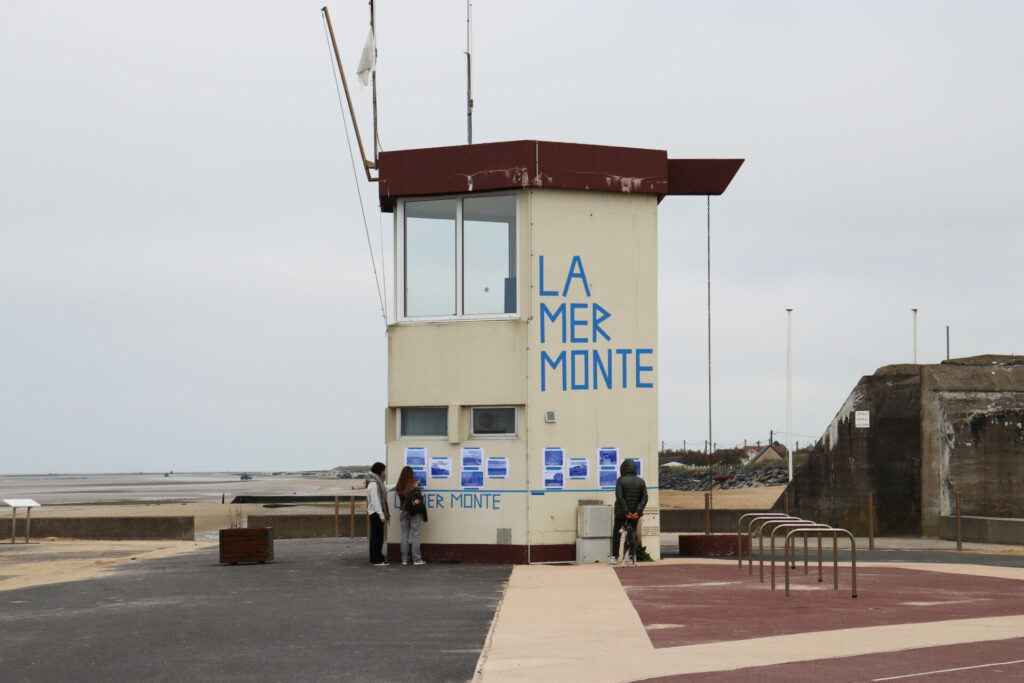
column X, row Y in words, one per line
column 739, row 532
column 834, row 532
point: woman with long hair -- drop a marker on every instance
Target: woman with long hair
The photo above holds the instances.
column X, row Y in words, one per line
column 413, row 514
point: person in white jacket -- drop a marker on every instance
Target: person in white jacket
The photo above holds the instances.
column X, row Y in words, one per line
column 377, row 510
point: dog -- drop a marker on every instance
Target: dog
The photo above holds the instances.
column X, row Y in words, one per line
column 627, row 546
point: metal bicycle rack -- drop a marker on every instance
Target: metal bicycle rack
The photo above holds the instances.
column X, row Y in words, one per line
column 760, row 538
column 794, row 526
column 739, row 532
column 834, row 532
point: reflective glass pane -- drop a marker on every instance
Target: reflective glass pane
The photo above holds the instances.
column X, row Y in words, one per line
column 489, row 255
column 430, row 258
column 424, row 421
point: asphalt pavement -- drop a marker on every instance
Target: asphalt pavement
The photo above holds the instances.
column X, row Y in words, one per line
column 318, row 612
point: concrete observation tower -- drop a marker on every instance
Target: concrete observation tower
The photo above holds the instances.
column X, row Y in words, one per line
column 523, row 361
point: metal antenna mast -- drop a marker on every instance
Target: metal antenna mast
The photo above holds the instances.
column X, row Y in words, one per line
column 469, row 71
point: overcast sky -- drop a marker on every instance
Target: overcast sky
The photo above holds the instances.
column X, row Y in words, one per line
column 185, row 282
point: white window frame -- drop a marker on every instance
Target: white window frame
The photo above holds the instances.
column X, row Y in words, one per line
column 399, row 266
column 437, row 437
column 474, row 435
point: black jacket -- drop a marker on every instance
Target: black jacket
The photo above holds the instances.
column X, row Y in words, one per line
column 630, row 491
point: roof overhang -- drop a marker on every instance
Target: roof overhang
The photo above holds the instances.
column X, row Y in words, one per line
column 558, row 165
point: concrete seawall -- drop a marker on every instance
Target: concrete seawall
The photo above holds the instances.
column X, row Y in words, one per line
column 308, row 526
column 107, row 528
column 974, row 529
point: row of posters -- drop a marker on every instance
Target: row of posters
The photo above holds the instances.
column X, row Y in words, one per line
column 558, row 468
column 475, row 467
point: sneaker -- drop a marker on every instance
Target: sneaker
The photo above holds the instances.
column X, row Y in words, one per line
column 420, row 562
column 405, row 562
column 612, row 559
column 385, row 563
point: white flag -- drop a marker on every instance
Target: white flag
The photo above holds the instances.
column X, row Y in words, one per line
column 367, row 61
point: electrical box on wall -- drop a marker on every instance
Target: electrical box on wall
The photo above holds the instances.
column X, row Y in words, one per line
column 594, row 521
column 592, row 550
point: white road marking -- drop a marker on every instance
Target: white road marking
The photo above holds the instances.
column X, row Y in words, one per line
column 946, row 671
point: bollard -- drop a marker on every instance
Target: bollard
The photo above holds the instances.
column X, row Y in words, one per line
column 871, row 521
column 959, row 543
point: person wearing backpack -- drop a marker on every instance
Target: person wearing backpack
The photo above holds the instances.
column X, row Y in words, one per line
column 413, row 514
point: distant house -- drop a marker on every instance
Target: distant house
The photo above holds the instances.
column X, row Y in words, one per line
column 776, row 453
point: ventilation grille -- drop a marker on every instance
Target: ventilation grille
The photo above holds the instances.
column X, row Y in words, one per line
column 504, row 536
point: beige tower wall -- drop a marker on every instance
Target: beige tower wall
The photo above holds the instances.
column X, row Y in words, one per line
column 610, row 242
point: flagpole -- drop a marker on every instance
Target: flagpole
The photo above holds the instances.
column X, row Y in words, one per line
column 373, row 32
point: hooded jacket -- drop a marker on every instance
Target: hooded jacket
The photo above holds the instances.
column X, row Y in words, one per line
column 630, row 491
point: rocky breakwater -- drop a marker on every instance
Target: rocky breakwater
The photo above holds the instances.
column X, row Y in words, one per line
column 742, row 479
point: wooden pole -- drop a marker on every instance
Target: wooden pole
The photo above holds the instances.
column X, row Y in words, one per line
column 871, row 521
column 785, row 502
column 337, row 525
column 959, row 543
column 352, row 516
column 367, row 165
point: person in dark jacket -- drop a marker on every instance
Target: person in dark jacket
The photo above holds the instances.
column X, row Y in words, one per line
column 630, row 501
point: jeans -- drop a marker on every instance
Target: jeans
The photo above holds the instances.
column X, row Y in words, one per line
column 411, row 527
column 376, row 539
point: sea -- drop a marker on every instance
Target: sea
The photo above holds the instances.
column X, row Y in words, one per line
column 190, row 487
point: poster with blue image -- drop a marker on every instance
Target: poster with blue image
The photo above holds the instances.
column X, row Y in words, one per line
column 608, row 458
column 554, row 479
column 606, row 478
column 554, row 458
column 472, row 479
column 440, row 468
column 497, row 468
column 416, row 458
column 421, row 478
column 579, row 468
column 472, row 458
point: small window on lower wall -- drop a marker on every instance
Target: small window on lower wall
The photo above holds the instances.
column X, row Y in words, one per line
column 423, row 422
column 494, row 421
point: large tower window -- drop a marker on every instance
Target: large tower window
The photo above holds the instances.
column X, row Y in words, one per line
column 459, row 257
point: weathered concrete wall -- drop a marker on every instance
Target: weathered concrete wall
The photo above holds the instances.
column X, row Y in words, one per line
column 113, row 528
column 884, row 459
column 692, row 521
column 983, row 530
column 973, row 438
column 308, row 526
column 935, row 430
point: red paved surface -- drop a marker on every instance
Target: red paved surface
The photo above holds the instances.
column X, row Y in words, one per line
column 946, row 664
column 690, row 604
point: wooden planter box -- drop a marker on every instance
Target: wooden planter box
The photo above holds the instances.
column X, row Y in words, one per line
column 246, row 545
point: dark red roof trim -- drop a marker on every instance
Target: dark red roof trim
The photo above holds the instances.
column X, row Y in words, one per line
column 534, row 163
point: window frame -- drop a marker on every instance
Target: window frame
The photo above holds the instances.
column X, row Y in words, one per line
column 515, row 415
column 414, row 437
column 399, row 265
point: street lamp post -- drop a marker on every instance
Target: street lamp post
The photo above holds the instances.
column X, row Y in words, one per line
column 789, row 388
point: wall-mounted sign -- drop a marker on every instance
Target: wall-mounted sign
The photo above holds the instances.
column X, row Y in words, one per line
column 861, row 419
